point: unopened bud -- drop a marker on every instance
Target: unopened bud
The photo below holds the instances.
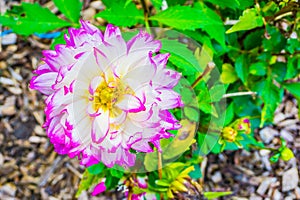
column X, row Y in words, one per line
column 243, row 125
column 229, row 134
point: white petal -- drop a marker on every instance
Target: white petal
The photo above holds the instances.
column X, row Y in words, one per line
column 100, row 127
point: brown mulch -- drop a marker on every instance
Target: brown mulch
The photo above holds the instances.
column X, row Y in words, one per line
column 30, row 169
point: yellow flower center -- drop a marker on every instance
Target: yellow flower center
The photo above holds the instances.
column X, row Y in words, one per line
column 107, row 94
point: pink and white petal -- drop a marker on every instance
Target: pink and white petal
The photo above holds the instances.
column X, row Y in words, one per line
column 43, row 68
column 94, row 84
column 168, row 99
column 91, row 111
column 115, row 46
column 130, row 103
column 58, row 58
column 126, row 63
column 100, row 127
column 160, row 60
column 44, row 82
column 138, row 74
column 166, row 79
column 143, row 41
column 141, row 116
column 142, row 146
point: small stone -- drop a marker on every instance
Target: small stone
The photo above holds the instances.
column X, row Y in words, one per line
column 276, row 195
column 267, row 134
column 288, row 122
column 9, row 39
column 6, row 81
column 1, row 159
column 265, row 160
column 288, row 136
column 8, row 189
column 217, row 177
column 89, row 14
column 255, row 180
column 264, row 152
column 36, row 139
column 263, row 187
column 97, row 5
column 14, row 90
column 255, row 197
column 290, row 179
column 291, row 197
column 278, row 117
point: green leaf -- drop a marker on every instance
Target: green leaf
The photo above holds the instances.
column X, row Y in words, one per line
column 86, row 182
column 217, row 91
column 116, row 173
column 228, row 74
column 162, row 183
column 250, row 20
column 204, row 98
column 110, row 3
column 184, row 18
column 213, row 195
column 70, row 8
column 242, row 67
column 122, row 14
column 157, row 4
column 181, row 56
column 292, row 67
column 258, row 69
column 229, row 113
column 271, row 96
column 191, row 113
column 32, row 18
column 96, row 169
column 150, row 161
column 175, row 2
column 276, row 42
column 293, row 88
column 111, row 182
column 216, row 23
column 207, row 142
column 253, row 39
column 196, row 173
column 182, row 141
column 59, row 40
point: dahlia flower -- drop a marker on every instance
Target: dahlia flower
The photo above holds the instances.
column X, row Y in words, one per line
column 107, row 97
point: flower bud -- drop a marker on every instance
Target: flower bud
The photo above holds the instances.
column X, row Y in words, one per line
column 243, row 125
column 229, row 134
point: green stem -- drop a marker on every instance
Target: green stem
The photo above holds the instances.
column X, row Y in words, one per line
column 159, row 169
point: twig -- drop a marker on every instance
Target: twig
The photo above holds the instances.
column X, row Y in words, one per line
column 72, row 169
column 50, row 171
column 207, row 70
column 146, row 15
column 235, row 94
